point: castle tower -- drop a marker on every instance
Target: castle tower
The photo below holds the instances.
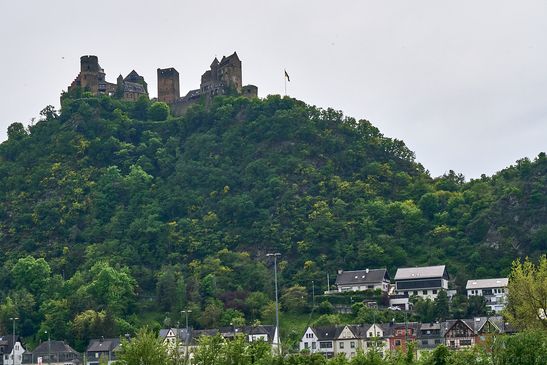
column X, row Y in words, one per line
column 229, row 72
column 90, row 73
column 168, row 85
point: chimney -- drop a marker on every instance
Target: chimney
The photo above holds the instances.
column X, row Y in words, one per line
column 366, row 271
column 340, row 271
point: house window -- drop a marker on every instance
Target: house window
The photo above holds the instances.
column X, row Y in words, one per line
column 437, row 341
column 325, row 344
column 313, row 345
column 424, row 292
column 370, row 286
column 425, row 342
column 415, row 292
column 341, row 345
column 434, row 291
column 465, row 342
column 352, row 344
column 305, row 345
column 397, row 342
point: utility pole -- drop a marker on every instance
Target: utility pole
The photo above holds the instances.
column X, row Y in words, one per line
column 187, row 335
column 13, row 344
column 48, row 348
column 312, row 295
column 275, row 255
column 406, row 333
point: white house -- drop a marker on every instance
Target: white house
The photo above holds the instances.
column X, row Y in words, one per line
column 493, row 290
column 320, row 340
column 359, row 280
column 348, row 342
column 11, row 351
column 425, row 282
column 375, row 338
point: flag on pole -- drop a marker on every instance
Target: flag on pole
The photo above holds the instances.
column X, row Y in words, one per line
column 287, row 76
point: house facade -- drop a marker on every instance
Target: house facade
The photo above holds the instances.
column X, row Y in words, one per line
column 425, row 282
column 493, row 290
column 376, row 338
column 402, row 334
column 348, row 341
column 102, row 350
column 11, row 350
column 430, row 335
column 359, row 280
column 331, row 341
column 460, row 333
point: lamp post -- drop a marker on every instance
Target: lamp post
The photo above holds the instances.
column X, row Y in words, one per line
column 13, row 344
column 48, row 347
column 275, row 255
column 186, row 312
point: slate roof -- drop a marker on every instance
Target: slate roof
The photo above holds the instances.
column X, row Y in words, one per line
column 487, row 283
column 133, row 87
column 423, row 272
column 7, row 342
column 56, row 346
column 225, row 60
column 327, row 332
column 361, row 277
column 102, row 345
column 178, row 332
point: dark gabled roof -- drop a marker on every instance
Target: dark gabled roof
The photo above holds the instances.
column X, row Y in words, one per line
column 233, row 57
column 133, row 75
column 362, row 277
column 180, row 333
column 327, row 332
column 56, row 346
column 100, row 345
column 449, row 324
column 7, row 341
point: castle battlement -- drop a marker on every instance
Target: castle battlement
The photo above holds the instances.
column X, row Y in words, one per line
column 224, row 77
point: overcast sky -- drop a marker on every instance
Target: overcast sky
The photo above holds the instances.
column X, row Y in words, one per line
column 463, row 83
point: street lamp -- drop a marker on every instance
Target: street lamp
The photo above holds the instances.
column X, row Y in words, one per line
column 48, row 347
column 275, row 255
column 13, row 344
column 186, row 312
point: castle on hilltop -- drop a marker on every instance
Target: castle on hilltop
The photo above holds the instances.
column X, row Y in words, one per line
column 222, row 78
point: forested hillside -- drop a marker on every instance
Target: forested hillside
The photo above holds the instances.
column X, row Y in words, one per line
column 137, row 219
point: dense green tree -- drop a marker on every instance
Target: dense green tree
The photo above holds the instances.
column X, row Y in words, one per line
column 144, row 349
column 158, row 111
column 295, row 299
column 441, row 306
column 527, row 297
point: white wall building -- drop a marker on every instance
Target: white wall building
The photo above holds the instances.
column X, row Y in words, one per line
column 360, row 280
column 425, row 282
column 11, row 354
column 494, row 291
